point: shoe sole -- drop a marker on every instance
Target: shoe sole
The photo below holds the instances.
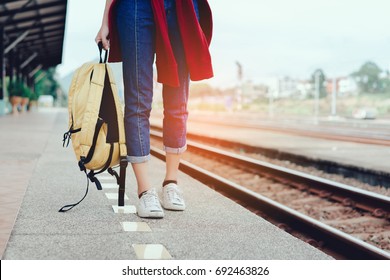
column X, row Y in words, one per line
column 154, row 215
column 174, row 208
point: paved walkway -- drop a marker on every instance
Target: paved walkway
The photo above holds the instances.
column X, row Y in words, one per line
column 23, row 140
column 212, row 227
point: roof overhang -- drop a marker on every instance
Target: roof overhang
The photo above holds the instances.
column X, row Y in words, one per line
column 35, row 28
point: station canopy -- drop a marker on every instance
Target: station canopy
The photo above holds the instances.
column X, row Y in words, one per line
column 35, row 28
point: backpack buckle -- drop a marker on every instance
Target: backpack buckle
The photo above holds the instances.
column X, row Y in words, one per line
column 81, row 164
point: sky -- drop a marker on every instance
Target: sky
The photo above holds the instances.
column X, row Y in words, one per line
column 268, row 38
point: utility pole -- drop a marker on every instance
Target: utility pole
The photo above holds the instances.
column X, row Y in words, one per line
column 316, row 96
column 239, row 86
column 334, row 93
column 2, row 71
column 271, row 98
column 271, row 104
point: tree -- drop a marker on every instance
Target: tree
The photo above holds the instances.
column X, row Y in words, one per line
column 321, row 80
column 368, row 77
column 48, row 85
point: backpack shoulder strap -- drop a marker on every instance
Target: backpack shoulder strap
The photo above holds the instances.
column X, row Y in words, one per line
column 119, row 111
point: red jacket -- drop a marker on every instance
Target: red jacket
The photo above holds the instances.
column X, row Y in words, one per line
column 196, row 38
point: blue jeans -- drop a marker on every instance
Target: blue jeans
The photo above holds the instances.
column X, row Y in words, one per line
column 136, row 28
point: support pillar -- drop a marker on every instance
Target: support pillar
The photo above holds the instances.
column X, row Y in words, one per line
column 2, row 72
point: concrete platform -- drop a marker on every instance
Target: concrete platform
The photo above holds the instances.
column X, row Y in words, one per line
column 22, row 142
column 212, row 227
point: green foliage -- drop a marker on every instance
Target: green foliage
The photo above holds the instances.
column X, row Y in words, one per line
column 26, row 91
column 18, row 88
column 15, row 88
column 368, row 77
column 48, row 85
column 321, row 79
column 385, row 84
column 34, row 96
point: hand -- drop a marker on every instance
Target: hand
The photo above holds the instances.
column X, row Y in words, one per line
column 102, row 36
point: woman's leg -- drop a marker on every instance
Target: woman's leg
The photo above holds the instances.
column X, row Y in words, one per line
column 175, row 98
column 136, row 29
column 172, row 166
column 175, row 115
column 141, row 171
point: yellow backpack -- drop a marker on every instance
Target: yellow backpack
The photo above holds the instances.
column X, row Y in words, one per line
column 96, row 125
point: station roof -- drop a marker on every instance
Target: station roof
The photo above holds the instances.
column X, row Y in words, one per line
column 38, row 25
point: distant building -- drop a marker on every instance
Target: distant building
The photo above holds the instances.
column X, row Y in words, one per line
column 344, row 86
column 287, row 87
column 251, row 91
column 347, row 86
column 304, row 88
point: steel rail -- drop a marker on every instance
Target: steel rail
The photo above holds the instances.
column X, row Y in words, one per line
column 338, row 134
column 372, row 177
column 378, row 205
column 342, row 245
column 333, row 240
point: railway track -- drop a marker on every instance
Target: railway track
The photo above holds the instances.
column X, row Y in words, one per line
column 359, row 206
column 365, row 135
column 371, row 177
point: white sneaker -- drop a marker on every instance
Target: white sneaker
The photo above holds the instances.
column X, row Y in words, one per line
column 172, row 197
column 149, row 205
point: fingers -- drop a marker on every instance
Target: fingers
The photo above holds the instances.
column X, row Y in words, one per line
column 102, row 36
column 106, row 43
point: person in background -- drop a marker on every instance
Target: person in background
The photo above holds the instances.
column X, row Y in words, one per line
column 178, row 33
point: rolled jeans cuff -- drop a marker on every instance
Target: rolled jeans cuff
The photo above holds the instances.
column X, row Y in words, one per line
column 175, row 150
column 135, row 159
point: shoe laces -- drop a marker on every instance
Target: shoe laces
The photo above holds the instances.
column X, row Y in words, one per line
column 150, row 199
column 174, row 194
